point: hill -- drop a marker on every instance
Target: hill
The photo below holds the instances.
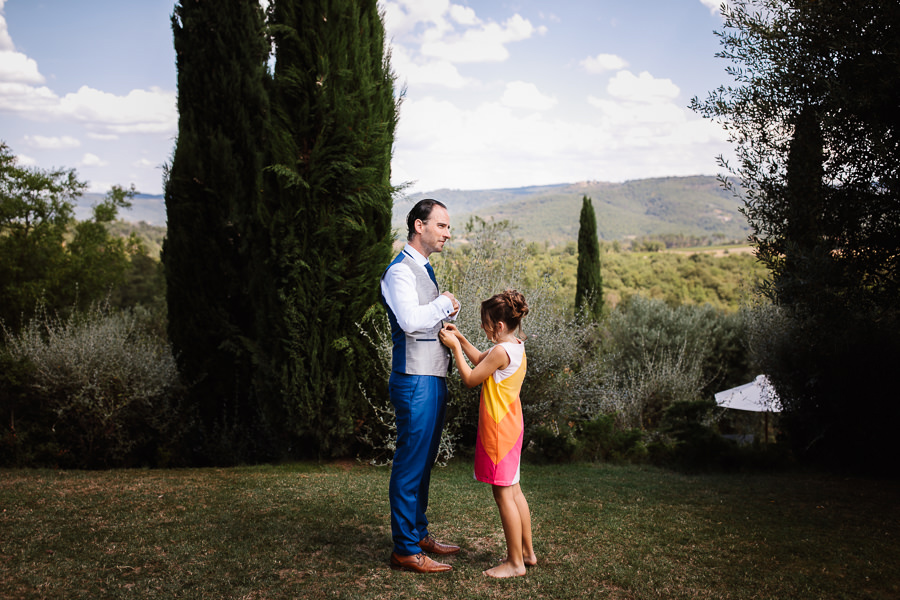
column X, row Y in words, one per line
column 695, row 206
column 671, row 205
column 150, row 209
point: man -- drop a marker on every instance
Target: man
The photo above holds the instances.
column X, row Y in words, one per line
column 418, row 383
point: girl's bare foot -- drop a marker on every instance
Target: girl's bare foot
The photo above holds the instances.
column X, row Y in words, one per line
column 529, row 560
column 505, row 569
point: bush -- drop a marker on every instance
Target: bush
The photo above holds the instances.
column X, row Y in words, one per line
column 95, row 390
column 547, row 443
column 663, row 355
column 834, row 378
column 600, row 439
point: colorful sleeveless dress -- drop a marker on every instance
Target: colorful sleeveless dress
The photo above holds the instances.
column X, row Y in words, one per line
column 498, row 447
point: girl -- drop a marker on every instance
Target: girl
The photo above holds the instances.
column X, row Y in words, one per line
column 498, row 447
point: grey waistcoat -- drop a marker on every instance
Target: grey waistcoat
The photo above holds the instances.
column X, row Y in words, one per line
column 418, row 352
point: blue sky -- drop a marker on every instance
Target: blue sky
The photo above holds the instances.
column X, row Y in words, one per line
column 498, row 93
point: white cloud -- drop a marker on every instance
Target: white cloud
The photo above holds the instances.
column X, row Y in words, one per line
column 103, row 137
column 602, row 63
column 145, row 164
column 51, row 143
column 15, row 67
column 519, row 94
column 713, row 5
column 434, row 72
column 641, row 88
column 6, row 43
column 25, row 161
column 92, row 160
column 35, row 102
column 141, row 111
column 454, row 33
column 403, row 16
column 463, row 15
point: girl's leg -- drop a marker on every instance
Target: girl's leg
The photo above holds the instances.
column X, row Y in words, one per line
column 528, row 555
column 514, row 564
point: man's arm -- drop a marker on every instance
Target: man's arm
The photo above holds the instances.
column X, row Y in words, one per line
column 399, row 290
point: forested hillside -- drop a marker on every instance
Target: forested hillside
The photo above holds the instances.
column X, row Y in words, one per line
column 688, row 206
column 694, row 206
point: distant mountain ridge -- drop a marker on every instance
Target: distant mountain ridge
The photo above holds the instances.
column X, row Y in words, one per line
column 695, row 205
column 149, row 208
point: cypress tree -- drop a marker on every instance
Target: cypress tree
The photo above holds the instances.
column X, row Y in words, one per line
column 330, row 203
column 589, row 285
column 211, row 193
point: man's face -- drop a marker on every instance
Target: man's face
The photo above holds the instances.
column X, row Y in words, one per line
column 434, row 231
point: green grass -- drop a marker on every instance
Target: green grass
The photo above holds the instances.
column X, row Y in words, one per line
column 322, row 531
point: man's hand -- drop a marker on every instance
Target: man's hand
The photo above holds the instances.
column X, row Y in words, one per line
column 454, row 301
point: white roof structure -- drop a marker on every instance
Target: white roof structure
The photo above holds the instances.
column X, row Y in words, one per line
column 756, row 396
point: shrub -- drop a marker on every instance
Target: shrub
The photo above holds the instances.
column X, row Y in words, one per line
column 662, row 355
column 99, row 391
column 834, row 379
column 601, row 439
column 547, row 443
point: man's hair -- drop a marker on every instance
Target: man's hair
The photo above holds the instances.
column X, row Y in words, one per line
column 421, row 211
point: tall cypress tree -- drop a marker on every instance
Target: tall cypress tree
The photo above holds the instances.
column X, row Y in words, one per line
column 211, row 193
column 589, row 285
column 329, row 201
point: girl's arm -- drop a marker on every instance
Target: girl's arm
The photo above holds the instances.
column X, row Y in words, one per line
column 490, row 361
column 472, row 353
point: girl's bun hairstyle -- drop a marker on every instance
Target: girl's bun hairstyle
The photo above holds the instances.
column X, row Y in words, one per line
column 509, row 306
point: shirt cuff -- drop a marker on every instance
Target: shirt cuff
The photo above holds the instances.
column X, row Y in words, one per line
column 445, row 304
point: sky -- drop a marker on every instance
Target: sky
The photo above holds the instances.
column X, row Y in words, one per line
column 498, row 93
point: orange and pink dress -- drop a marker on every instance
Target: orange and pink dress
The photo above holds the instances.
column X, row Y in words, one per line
column 501, row 428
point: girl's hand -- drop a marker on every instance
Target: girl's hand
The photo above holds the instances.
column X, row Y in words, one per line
column 452, row 329
column 448, row 338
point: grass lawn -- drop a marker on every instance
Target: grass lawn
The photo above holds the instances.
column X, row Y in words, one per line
column 322, row 531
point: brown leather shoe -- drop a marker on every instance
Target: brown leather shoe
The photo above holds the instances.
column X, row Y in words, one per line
column 418, row 563
column 429, row 544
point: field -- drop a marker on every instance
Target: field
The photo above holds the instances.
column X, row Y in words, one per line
column 322, row 531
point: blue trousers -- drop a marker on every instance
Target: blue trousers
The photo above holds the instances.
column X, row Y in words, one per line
column 420, row 406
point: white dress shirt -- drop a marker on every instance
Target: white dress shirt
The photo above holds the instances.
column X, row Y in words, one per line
column 398, row 286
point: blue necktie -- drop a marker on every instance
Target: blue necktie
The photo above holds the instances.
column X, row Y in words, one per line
column 431, row 274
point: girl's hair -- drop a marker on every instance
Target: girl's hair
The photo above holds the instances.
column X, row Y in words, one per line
column 508, row 306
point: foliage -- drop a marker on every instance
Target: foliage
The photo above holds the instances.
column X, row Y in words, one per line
column 722, row 278
column 328, row 206
column 151, row 237
column 816, row 130
column 673, row 354
column 92, row 390
column 215, row 253
column 602, row 439
column 589, row 285
column 46, row 256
